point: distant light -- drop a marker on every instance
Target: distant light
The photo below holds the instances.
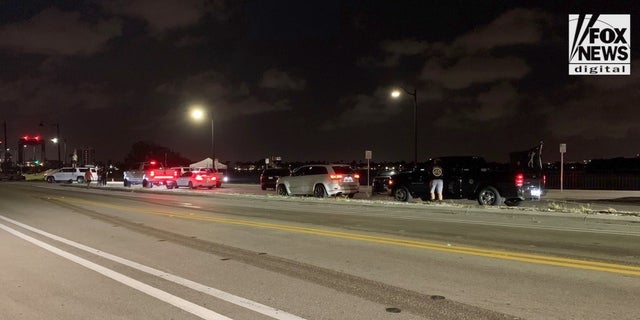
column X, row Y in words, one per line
column 54, row 140
column 395, row 93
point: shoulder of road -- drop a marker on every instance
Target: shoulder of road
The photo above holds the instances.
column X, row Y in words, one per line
column 599, row 204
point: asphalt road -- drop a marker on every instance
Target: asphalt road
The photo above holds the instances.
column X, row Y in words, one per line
column 235, row 252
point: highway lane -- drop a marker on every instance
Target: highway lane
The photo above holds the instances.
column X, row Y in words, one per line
column 340, row 259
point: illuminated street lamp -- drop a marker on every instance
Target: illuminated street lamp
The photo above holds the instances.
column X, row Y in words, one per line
column 42, row 124
column 198, row 113
column 396, row 94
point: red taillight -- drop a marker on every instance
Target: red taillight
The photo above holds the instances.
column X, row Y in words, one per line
column 153, row 163
column 214, row 178
column 175, row 173
column 199, row 177
column 519, row 180
column 544, row 180
column 152, row 173
column 336, row 177
column 356, row 176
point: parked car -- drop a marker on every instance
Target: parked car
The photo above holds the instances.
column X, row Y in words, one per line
column 149, row 174
column 70, row 174
column 181, row 170
column 380, row 183
column 216, row 175
column 270, row 176
column 196, row 179
column 320, row 180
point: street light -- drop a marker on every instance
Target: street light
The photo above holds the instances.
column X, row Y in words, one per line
column 42, row 124
column 198, row 114
column 396, row 94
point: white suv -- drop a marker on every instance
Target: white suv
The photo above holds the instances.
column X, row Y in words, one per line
column 320, row 180
column 70, row 174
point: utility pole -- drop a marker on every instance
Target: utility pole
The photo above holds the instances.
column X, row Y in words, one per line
column 4, row 148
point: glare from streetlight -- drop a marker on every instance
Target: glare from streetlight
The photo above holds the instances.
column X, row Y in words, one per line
column 395, row 94
column 54, row 140
column 197, row 113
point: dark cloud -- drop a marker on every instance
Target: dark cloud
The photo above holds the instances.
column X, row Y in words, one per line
column 596, row 107
column 167, row 14
column 473, row 70
column 489, row 77
column 276, row 79
column 55, row 32
column 514, row 27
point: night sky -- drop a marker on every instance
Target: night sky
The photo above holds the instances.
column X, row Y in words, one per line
column 310, row 80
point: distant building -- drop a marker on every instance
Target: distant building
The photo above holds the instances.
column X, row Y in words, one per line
column 86, row 156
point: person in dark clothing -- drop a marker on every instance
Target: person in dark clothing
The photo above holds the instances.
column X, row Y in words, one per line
column 103, row 176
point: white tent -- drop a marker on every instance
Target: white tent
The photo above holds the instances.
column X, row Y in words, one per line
column 206, row 163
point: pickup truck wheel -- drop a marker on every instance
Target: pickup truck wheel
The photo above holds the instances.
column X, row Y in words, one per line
column 191, row 186
column 126, row 183
column 402, row 194
column 51, row 180
column 146, row 184
column 319, row 191
column 513, row 202
column 219, row 185
column 282, row 190
column 489, row 196
column 80, row 179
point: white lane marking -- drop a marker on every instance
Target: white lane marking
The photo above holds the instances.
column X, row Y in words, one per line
column 183, row 304
column 189, row 205
column 239, row 301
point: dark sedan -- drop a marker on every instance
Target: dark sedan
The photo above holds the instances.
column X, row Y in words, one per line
column 269, row 177
column 380, row 183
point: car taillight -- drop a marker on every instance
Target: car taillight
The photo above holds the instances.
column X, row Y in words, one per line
column 199, row 177
column 152, row 173
column 175, row 173
column 389, row 182
column 214, row 178
column 544, row 180
column 356, row 176
column 336, row 177
column 519, row 180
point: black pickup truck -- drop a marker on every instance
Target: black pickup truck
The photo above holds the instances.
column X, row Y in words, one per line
column 471, row 177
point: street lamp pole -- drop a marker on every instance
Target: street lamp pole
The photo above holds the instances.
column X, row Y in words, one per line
column 396, row 94
column 415, row 125
column 58, row 136
column 198, row 114
column 213, row 144
column 58, row 139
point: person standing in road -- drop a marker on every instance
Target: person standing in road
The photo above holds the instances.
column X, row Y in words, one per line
column 103, row 175
column 87, row 177
column 436, row 183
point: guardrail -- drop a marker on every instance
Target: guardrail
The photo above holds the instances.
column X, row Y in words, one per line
column 595, row 181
